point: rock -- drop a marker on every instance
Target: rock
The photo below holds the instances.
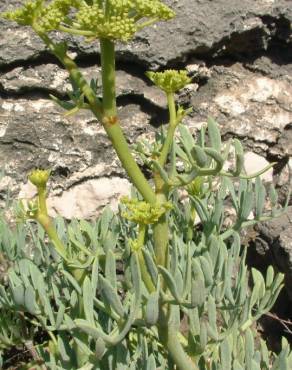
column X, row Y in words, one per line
column 201, row 27
column 255, row 108
column 277, row 237
column 86, row 193
column 87, row 200
column 254, row 163
column 237, row 53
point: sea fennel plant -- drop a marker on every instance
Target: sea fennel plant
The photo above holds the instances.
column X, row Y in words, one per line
column 148, row 287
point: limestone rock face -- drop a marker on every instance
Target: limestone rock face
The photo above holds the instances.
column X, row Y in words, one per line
column 276, row 235
column 237, row 52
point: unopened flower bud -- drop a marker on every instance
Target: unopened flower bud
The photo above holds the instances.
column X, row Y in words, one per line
column 39, row 178
column 170, row 80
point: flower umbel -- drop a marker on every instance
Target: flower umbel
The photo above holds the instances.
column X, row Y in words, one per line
column 169, row 80
column 142, row 212
column 39, row 178
column 110, row 19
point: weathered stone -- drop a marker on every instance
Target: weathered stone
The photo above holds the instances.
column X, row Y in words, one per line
column 253, row 107
column 277, row 236
column 254, row 163
column 250, row 98
column 200, row 27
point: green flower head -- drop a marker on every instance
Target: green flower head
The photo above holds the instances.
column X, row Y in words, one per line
column 39, row 178
column 142, row 212
column 170, row 80
column 111, row 19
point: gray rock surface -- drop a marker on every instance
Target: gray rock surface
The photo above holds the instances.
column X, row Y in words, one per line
column 238, row 53
column 276, row 237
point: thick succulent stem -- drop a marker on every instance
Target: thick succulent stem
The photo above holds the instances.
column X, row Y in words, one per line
column 105, row 111
column 47, row 224
column 108, row 71
column 112, row 126
column 171, row 129
column 168, row 335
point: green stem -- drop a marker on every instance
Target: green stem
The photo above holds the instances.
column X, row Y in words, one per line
column 108, row 70
column 111, row 123
column 144, row 272
column 42, row 203
column 48, row 226
column 171, row 129
column 108, row 118
column 161, row 234
column 168, row 335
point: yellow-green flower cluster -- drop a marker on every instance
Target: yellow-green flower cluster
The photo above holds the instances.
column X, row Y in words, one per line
column 25, row 15
column 142, row 212
column 39, row 178
column 45, row 17
column 53, row 15
column 170, row 80
column 153, row 9
column 112, row 19
column 117, row 25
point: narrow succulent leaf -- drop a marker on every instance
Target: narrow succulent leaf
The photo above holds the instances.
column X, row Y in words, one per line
column 110, row 268
column 260, row 196
column 72, row 281
column 151, row 364
column 198, row 293
column 83, row 347
column 214, row 134
column 180, row 153
column 161, row 171
column 203, row 335
column 188, row 274
column 237, row 365
column 111, row 296
column 225, row 355
column 170, row 282
column 207, row 270
column 213, row 334
column 200, row 208
column 197, row 270
column 91, row 330
column 136, row 275
column 273, row 195
column 100, row 348
column 201, row 136
column 88, row 300
column 212, row 314
column 30, row 300
column 174, row 255
column 217, row 213
column 215, row 154
column 179, row 282
column 186, row 138
column 265, row 352
column 246, row 205
column 199, row 155
column 269, row 277
column 150, row 264
column 23, row 265
column 63, row 351
column 249, row 349
column 258, row 280
column 60, row 315
column 152, row 308
column 239, row 158
column 18, row 294
column 94, row 275
column 231, row 189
